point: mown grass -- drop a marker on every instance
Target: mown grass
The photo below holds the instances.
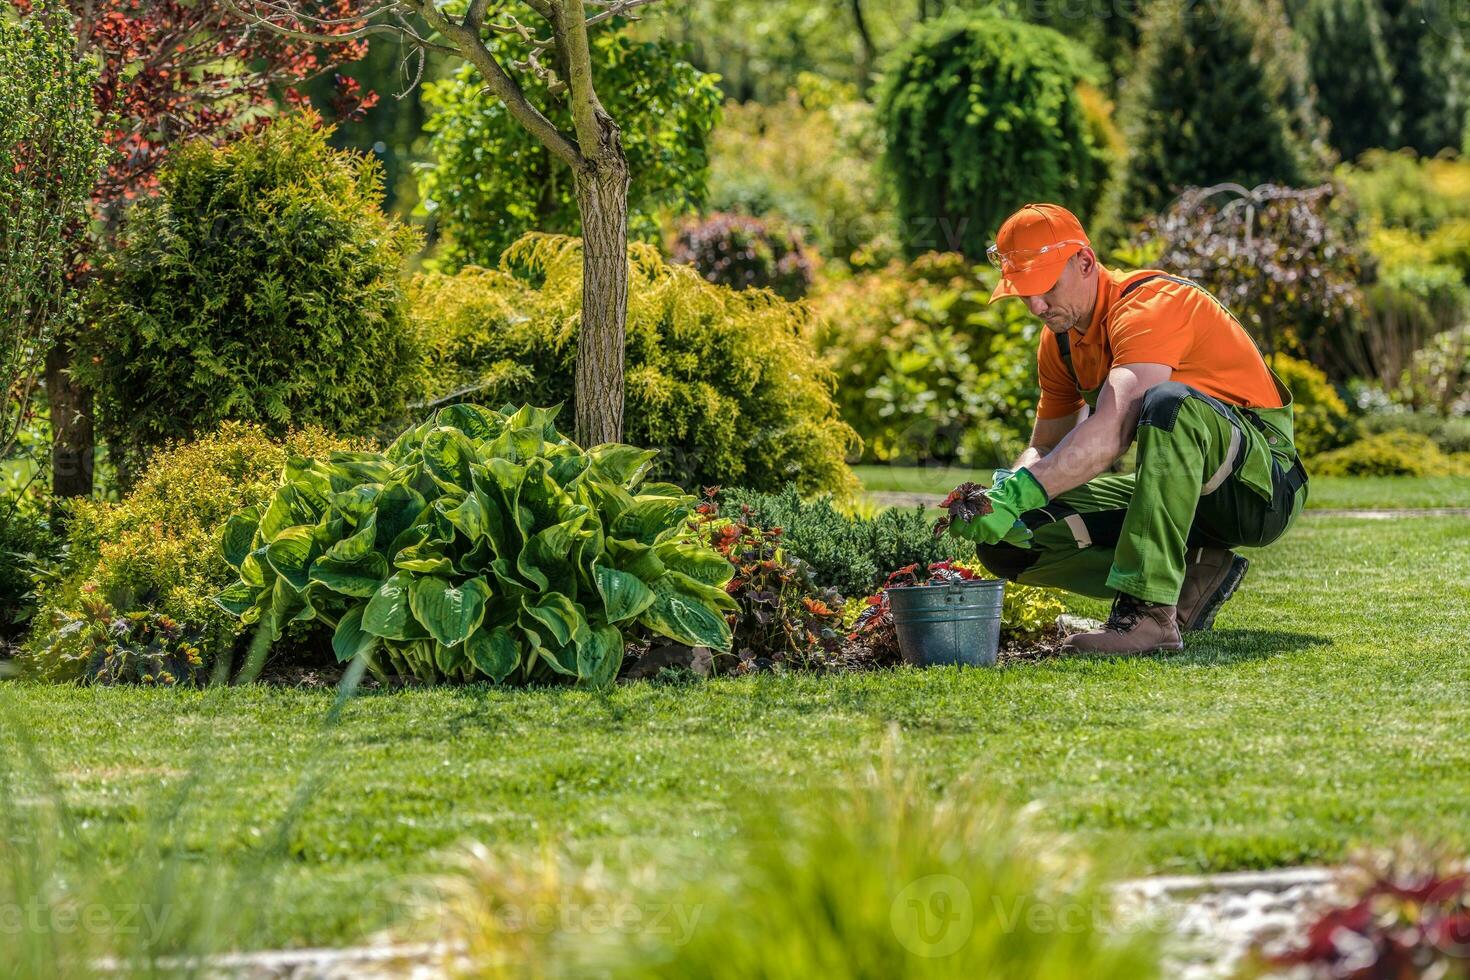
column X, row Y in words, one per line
column 1328, row 709
column 1388, row 492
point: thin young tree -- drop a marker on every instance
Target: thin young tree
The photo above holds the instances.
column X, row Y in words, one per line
column 50, row 156
column 555, row 31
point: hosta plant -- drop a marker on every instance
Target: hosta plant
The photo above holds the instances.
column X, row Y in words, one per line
column 480, row 544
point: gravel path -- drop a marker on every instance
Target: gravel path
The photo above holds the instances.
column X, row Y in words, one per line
column 1210, row 923
column 904, row 498
column 1213, row 921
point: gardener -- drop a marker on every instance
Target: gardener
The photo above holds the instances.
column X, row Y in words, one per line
column 1154, row 358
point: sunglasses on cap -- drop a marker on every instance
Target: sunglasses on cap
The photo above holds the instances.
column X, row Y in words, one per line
column 1021, row 259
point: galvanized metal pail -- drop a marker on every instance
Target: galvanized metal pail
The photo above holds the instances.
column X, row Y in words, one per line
column 954, row 623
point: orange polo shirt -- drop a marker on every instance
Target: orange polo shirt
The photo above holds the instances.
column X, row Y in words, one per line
column 1158, row 322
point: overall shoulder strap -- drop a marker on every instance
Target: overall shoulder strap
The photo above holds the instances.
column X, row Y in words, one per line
column 1064, row 347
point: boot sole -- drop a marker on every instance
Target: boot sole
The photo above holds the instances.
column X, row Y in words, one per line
column 1236, row 574
column 1164, row 648
column 1169, row 648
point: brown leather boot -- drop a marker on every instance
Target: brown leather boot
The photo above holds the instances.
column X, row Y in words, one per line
column 1211, row 576
column 1135, row 626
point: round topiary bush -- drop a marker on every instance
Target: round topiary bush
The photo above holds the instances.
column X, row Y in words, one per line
column 262, row 284
column 742, row 252
column 982, row 115
column 725, row 384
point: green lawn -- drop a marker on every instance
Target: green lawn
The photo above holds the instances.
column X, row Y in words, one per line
column 1395, row 492
column 1330, row 708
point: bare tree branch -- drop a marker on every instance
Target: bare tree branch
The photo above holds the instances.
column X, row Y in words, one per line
column 475, row 15
column 571, row 31
column 367, row 30
column 615, row 9
column 501, row 84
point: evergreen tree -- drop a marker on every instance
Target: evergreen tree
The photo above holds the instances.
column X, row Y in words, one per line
column 1431, row 66
column 1221, row 94
column 981, row 114
column 1352, row 72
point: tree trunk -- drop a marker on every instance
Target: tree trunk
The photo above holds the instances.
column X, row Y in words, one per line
column 866, row 51
column 602, row 196
column 72, row 444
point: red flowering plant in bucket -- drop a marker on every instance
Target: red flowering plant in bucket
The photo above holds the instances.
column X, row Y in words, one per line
column 873, row 632
column 784, row 618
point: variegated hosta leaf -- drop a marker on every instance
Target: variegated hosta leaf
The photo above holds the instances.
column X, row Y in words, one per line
column 351, row 640
column 694, row 559
column 623, row 595
column 599, row 655
column 648, row 518
column 357, row 544
column 561, row 616
column 450, row 613
column 236, row 599
column 494, row 652
column 387, row 613
column 685, row 616
column 359, row 578
column 238, row 536
column 290, row 554
column 620, row 464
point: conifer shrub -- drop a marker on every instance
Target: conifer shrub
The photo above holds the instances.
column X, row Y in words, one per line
column 853, row 555
column 725, row 384
column 263, row 284
column 1221, row 92
column 1352, row 72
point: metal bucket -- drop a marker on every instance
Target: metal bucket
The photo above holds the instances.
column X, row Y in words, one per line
column 956, row 623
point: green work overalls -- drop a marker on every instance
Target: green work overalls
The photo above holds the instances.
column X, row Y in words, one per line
column 1209, row 474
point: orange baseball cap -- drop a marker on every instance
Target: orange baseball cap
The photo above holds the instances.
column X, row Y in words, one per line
column 1032, row 247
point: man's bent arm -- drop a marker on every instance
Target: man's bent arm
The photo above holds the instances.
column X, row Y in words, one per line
column 1045, row 436
column 1098, row 441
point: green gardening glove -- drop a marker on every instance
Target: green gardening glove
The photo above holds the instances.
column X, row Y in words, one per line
column 1017, row 494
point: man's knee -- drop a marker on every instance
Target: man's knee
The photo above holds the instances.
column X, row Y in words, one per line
column 1161, row 404
column 1004, row 560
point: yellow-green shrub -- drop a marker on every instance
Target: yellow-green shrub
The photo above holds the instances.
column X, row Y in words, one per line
column 926, row 367
column 1322, row 418
column 725, row 384
column 158, row 548
column 1390, row 454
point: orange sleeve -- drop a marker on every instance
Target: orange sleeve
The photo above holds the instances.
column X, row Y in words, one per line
column 1059, row 394
column 1155, row 328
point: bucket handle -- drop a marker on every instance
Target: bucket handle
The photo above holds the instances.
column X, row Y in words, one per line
column 954, row 593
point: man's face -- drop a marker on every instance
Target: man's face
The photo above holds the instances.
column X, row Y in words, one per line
column 1069, row 303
